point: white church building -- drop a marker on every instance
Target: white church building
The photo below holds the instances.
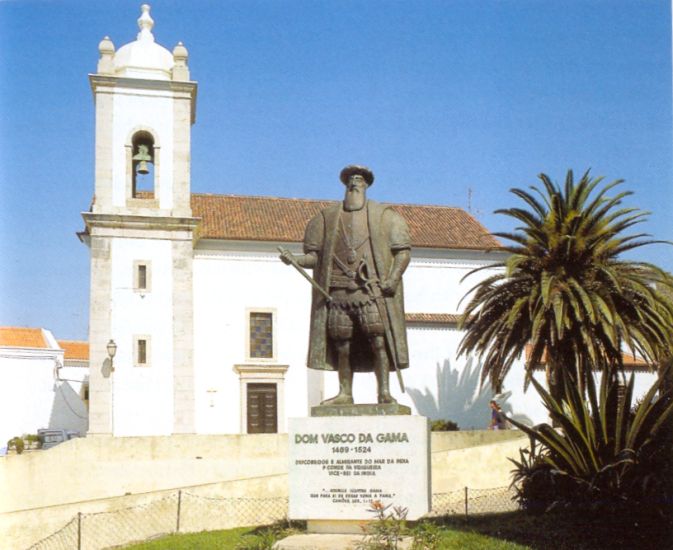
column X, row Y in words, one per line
column 210, row 327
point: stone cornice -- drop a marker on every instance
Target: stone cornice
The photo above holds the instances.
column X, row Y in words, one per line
column 100, row 82
column 261, row 370
column 13, row 352
column 268, row 251
column 140, row 223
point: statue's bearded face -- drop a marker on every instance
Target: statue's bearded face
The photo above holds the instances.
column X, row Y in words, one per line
column 356, row 193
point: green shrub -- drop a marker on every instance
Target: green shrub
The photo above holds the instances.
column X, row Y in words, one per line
column 263, row 538
column 444, row 426
column 426, row 536
column 387, row 531
column 16, row 443
column 604, row 457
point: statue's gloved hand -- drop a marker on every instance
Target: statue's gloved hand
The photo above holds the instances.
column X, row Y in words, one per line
column 389, row 286
column 286, row 257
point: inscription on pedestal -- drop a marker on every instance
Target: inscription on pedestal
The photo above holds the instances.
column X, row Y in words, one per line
column 339, row 465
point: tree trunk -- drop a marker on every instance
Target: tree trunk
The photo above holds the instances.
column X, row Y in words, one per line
column 554, row 383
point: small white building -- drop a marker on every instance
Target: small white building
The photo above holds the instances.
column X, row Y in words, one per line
column 45, row 383
column 211, row 328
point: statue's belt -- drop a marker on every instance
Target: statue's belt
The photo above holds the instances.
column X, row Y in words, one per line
column 350, row 277
column 350, row 302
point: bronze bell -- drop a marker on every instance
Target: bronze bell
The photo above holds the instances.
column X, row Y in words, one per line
column 143, row 157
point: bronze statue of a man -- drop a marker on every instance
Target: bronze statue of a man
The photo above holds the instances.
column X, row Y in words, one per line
column 358, row 250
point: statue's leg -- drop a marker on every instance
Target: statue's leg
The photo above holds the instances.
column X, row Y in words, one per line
column 340, row 331
column 345, row 395
column 382, row 369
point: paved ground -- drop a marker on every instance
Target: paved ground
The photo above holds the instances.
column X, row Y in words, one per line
column 325, row 542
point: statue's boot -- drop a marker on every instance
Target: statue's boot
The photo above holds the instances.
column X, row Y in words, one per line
column 339, row 399
column 345, row 395
column 382, row 369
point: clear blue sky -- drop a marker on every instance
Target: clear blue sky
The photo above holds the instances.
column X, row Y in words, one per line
column 437, row 97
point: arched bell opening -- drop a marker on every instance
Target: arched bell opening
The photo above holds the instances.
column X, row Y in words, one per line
column 143, row 166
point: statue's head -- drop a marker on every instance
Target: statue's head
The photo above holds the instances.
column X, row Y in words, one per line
column 355, row 170
column 356, row 179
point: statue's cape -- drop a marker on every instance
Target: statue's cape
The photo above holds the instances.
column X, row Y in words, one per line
column 388, row 232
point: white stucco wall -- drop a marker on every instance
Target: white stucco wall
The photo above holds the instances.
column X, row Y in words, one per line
column 26, row 402
column 441, row 385
column 36, row 394
column 69, row 411
column 143, row 396
column 227, row 285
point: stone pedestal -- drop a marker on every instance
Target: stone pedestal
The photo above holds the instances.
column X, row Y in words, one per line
column 339, row 465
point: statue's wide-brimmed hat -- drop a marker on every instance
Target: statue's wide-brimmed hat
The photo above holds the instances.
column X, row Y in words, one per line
column 354, row 169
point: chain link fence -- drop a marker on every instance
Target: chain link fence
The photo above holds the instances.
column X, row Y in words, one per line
column 469, row 502
column 184, row 511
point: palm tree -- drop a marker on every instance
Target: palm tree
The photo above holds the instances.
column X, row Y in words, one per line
column 565, row 291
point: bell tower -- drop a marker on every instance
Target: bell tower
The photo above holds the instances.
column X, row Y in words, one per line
column 140, row 232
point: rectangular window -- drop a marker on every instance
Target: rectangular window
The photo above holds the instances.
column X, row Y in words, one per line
column 261, row 335
column 142, row 277
column 141, row 351
column 142, row 273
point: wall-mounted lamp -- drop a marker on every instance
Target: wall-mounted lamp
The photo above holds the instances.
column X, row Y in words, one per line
column 111, row 352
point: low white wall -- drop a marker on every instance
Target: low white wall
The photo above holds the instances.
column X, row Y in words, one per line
column 103, row 467
column 45, row 490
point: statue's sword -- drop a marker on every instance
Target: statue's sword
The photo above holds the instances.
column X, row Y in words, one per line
column 374, row 286
column 302, row 271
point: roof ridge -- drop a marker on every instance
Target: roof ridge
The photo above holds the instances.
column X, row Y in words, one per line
column 235, row 196
column 304, row 199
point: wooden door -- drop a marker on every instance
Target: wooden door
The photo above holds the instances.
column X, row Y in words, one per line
column 262, row 409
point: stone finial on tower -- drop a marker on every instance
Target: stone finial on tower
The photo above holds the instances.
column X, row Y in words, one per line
column 106, row 61
column 180, row 69
column 143, row 58
column 145, row 23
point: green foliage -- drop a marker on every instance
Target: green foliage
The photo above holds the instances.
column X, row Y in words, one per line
column 386, row 532
column 221, row 540
column 603, row 457
column 390, row 527
column 33, row 438
column 444, row 426
column 16, row 443
column 426, row 536
column 564, row 289
column 264, row 538
column 556, row 530
column 505, row 531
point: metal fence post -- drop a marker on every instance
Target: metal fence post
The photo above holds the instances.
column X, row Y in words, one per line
column 79, row 530
column 466, row 514
column 177, row 523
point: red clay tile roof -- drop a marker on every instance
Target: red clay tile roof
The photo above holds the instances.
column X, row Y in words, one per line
column 75, row 349
column 433, row 318
column 20, row 337
column 233, row 217
column 630, row 361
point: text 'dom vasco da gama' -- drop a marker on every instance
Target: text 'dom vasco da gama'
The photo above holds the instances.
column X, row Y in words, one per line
column 339, row 472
